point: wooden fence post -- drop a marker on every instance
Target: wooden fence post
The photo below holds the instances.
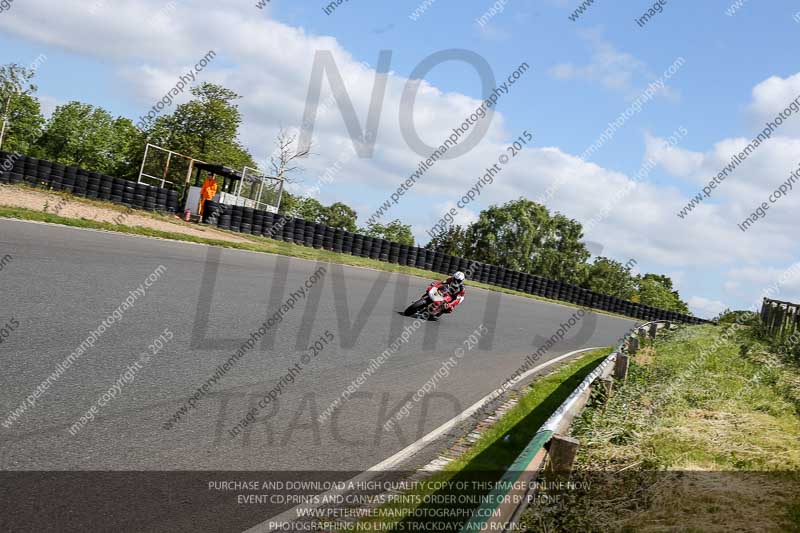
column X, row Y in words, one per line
column 633, row 345
column 621, row 367
column 562, row 452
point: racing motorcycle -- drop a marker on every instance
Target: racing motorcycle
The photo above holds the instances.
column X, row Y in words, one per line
column 432, row 302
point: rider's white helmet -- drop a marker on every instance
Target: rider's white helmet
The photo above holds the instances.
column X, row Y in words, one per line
column 459, row 277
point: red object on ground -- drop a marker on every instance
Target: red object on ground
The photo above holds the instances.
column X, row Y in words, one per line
column 187, row 215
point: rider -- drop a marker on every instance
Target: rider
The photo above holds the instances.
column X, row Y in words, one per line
column 454, row 285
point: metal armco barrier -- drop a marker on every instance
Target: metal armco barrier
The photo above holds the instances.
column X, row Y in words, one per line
column 57, row 177
column 499, row 512
column 84, row 183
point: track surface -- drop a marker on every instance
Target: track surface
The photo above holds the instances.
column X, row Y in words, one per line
column 63, row 281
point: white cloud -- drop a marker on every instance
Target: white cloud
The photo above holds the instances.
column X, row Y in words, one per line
column 772, row 96
column 612, row 68
column 705, row 307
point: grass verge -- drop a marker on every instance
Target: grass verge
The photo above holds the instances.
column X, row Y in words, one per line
column 255, row 244
column 485, row 461
column 703, row 436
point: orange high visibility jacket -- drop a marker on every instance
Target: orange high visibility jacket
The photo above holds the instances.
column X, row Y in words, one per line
column 209, row 189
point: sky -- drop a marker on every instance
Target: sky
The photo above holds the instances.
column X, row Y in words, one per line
column 685, row 92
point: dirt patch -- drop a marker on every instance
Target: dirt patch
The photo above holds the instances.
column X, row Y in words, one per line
column 645, row 356
column 73, row 207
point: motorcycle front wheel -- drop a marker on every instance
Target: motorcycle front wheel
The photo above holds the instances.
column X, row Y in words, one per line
column 415, row 308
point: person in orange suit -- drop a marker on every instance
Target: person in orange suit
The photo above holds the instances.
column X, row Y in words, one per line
column 207, row 192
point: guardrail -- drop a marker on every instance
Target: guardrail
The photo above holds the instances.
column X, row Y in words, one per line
column 501, row 509
column 780, row 319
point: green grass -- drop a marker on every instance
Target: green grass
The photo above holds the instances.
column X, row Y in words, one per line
column 254, row 244
column 492, row 454
column 703, row 436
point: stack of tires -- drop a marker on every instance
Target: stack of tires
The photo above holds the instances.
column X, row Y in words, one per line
column 236, row 218
column 211, row 212
column 247, row 220
column 7, row 164
column 225, row 216
column 287, row 234
column 117, row 190
column 299, row 231
column 30, row 172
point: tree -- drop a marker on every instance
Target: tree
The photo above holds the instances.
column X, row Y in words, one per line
column 78, row 134
column 521, row 235
column 83, row 135
column 655, row 290
column 308, row 209
column 394, row 231
column 741, row 316
column 339, row 215
column 21, row 110
column 206, row 128
column 127, row 149
column 284, row 163
column 452, row 241
column 610, row 277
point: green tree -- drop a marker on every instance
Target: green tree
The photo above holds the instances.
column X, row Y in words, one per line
column 205, row 128
column 87, row 136
column 522, row 235
column 452, row 241
column 288, row 203
column 21, row 110
column 655, row 290
column 394, row 231
column 339, row 215
column 610, row 277
column 79, row 134
column 308, row 209
column 127, row 149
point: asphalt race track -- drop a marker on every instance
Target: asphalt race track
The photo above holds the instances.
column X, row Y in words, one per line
column 63, row 282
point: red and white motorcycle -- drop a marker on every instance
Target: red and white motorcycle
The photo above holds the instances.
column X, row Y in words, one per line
column 432, row 303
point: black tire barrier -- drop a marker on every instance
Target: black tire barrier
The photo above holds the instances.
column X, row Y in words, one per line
column 247, row 215
column 427, row 258
column 394, row 252
column 438, row 257
column 319, row 241
column 269, row 221
column 501, row 277
column 411, row 257
column 375, row 248
column 484, row 274
column 366, row 246
column 172, row 201
column 59, row 177
column 347, row 243
column 211, row 212
column 287, row 235
column 358, row 244
column 384, row 250
column 422, row 254
column 299, row 229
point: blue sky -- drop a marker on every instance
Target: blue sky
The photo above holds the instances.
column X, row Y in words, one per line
column 737, row 72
